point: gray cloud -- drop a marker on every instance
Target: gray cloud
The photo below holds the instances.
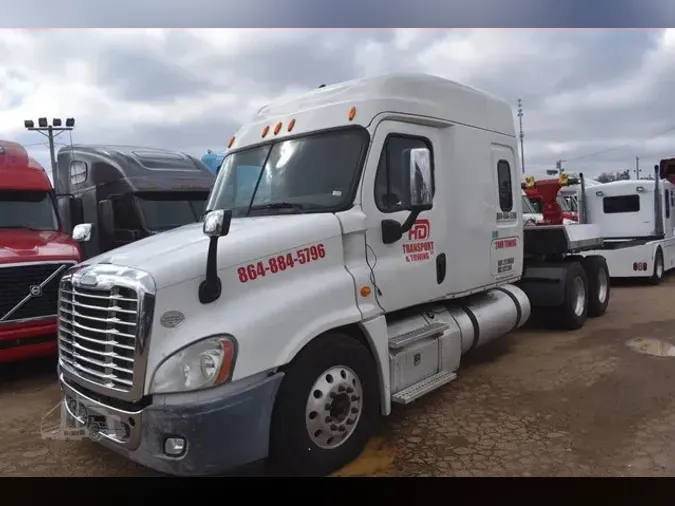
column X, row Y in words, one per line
column 584, row 91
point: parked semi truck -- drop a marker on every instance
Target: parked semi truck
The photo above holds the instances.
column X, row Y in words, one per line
column 380, row 240
column 128, row 192
column 34, row 254
column 637, row 220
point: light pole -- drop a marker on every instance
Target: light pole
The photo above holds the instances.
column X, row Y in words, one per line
column 51, row 132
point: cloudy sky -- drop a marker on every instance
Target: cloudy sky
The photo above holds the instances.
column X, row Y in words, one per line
column 595, row 98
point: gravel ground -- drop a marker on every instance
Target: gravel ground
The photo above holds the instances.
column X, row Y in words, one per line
column 535, row 403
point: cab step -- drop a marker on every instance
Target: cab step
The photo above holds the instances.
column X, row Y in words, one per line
column 406, row 339
column 425, row 386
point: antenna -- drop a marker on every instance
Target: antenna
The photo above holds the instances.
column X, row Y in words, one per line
column 522, row 135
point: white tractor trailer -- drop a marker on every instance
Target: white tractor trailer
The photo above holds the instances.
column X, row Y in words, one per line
column 637, row 221
column 358, row 241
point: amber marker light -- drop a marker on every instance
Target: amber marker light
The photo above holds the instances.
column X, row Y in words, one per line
column 265, row 131
column 229, row 144
column 365, row 291
column 277, row 128
column 291, row 124
column 352, row 113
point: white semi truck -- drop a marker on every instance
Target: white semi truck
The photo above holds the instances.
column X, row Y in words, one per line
column 637, row 221
column 358, row 241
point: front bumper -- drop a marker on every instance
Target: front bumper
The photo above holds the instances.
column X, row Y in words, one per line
column 220, row 434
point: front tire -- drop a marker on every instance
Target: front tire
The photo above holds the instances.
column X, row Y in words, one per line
column 326, row 409
column 657, row 275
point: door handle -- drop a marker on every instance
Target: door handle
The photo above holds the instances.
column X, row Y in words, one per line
column 441, row 268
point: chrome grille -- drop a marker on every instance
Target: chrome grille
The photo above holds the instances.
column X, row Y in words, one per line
column 98, row 329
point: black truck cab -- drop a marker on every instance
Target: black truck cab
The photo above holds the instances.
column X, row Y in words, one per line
column 128, row 192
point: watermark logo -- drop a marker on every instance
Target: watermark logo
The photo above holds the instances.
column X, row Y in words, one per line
column 76, row 422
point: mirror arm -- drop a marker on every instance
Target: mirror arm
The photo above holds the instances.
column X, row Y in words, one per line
column 211, row 287
column 412, row 217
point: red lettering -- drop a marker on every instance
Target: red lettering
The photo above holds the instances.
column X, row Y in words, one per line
column 280, row 263
column 420, row 230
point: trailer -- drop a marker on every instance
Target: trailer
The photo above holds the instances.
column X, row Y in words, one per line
column 637, row 221
column 358, row 242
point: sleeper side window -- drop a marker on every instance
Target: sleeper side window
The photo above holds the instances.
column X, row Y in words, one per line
column 667, row 195
column 505, row 186
column 392, row 181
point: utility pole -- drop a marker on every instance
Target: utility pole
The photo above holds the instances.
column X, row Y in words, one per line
column 51, row 132
column 522, row 135
column 637, row 167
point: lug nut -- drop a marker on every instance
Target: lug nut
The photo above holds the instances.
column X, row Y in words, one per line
column 350, row 421
column 341, row 389
column 328, row 419
column 355, row 410
column 332, row 395
column 333, row 427
column 327, row 407
column 350, row 390
column 342, row 428
column 354, row 398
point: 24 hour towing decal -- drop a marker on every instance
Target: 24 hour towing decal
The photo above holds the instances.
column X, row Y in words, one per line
column 419, row 248
column 280, row 263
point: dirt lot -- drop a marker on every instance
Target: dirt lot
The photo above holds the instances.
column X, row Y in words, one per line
column 535, row 403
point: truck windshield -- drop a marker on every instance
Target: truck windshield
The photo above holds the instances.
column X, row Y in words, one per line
column 313, row 173
column 167, row 211
column 32, row 210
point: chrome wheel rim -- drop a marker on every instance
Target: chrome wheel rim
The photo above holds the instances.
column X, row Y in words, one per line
column 580, row 296
column 603, row 285
column 334, row 407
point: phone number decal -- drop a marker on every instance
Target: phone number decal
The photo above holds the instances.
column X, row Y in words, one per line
column 280, row 263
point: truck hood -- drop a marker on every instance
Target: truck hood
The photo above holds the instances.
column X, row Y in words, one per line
column 36, row 246
column 180, row 254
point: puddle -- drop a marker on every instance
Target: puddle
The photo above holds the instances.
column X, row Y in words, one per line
column 651, row 346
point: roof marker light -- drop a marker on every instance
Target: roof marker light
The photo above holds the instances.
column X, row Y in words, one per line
column 265, row 131
column 291, row 124
column 229, row 144
column 277, row 128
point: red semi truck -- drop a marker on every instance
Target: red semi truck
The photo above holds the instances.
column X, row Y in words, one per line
column 34, row 254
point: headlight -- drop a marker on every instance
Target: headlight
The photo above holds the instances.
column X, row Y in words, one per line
column 203, row 364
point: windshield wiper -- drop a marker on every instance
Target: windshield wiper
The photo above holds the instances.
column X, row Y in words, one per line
column 278, row 205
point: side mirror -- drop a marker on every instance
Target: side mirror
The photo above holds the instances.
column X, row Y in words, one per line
column 82, row 232
column 217, row 223
column 106, row 218
column 420, row 179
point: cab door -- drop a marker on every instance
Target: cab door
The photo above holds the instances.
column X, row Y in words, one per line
column 412, row 269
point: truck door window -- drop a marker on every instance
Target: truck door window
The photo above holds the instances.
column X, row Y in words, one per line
column 125, row 215
column 392, row 181
column 621, row 204
column 505, row 186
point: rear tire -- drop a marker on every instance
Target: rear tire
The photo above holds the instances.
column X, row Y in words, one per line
column 599, row 285
column 311, row 434
column 657, row 275
column 571, row 315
